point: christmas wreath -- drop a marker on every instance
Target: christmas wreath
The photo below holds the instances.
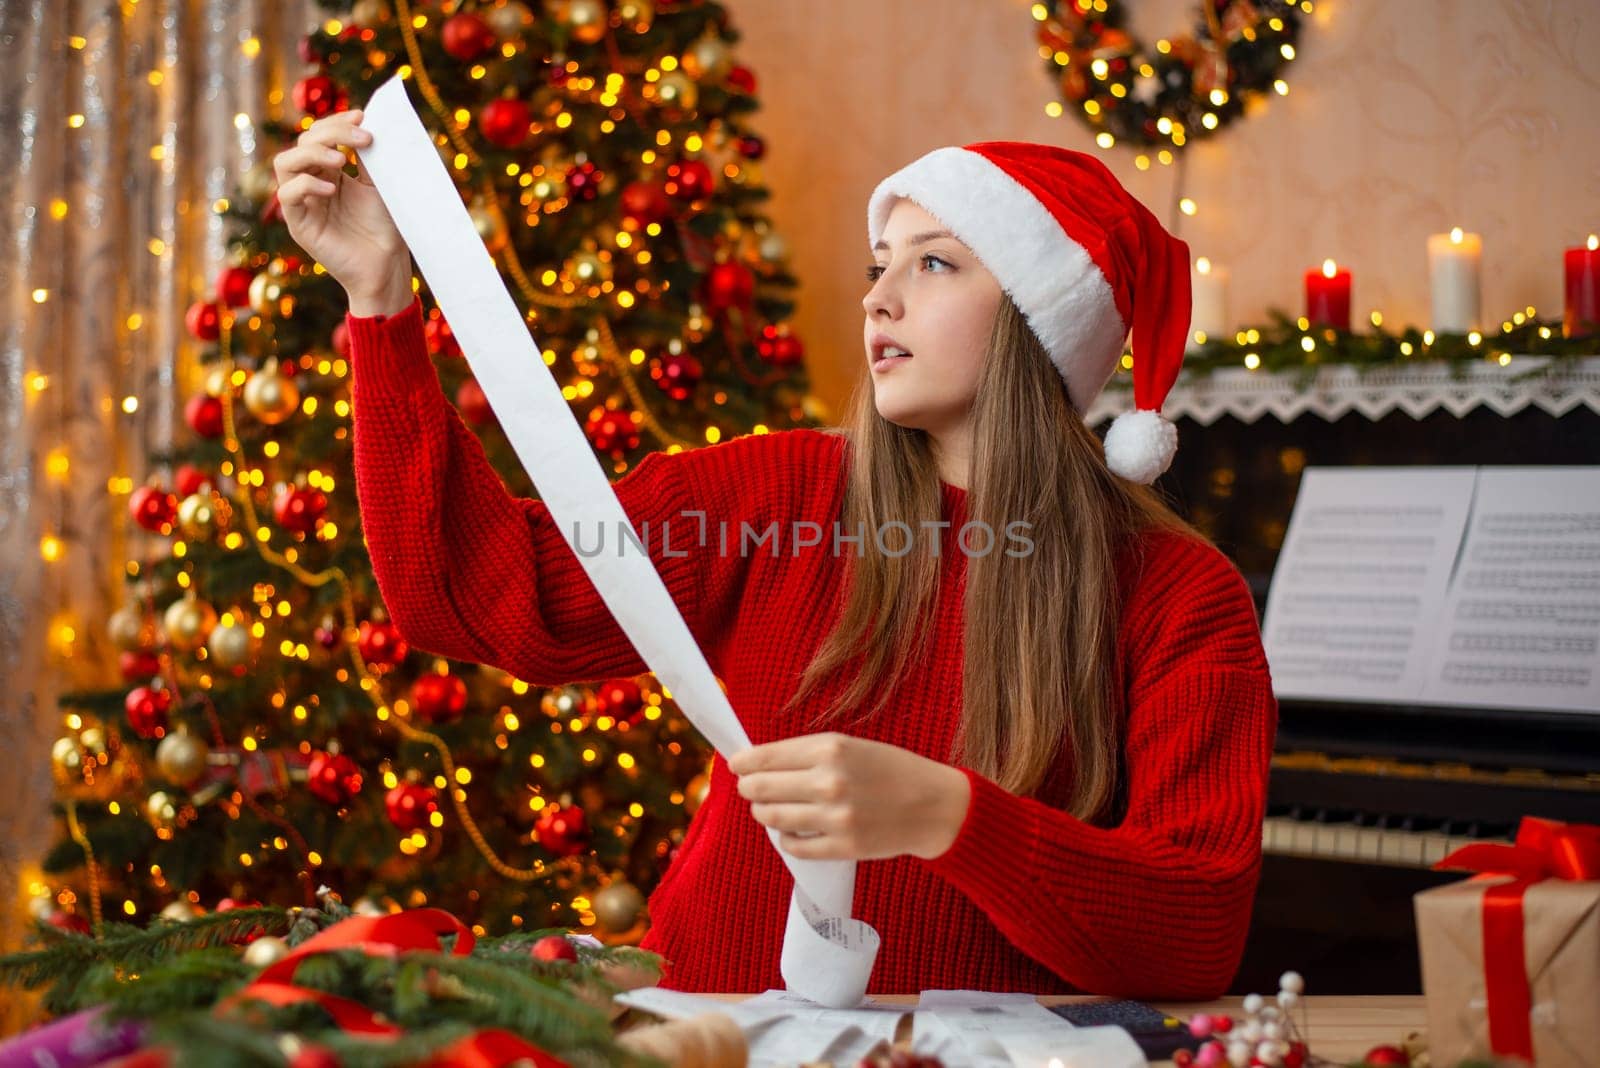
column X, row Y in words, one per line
column 1184, row 88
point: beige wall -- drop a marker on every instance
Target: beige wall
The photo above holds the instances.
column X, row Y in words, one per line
column 1403, row 119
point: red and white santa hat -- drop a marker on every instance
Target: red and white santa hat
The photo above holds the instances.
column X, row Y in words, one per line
column 1083, row 260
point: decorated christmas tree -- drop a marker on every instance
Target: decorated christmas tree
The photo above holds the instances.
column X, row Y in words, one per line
column 276, row 732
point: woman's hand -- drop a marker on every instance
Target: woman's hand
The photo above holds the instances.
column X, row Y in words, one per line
column 835, row 797
column 339, row 219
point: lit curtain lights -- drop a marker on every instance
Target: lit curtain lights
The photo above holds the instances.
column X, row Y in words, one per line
column 129, row 125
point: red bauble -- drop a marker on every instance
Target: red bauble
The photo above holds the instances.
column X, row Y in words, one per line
column 341, row 339
column 299, row 508
column 439, row 698
column 466, row 37
column 688, row 180
column 612, row 432
column 381, row 643
column 189, row 480
column 153, row 509
column 472, row 404
column 308, row 1056
column 1388, row 1056
column 440, row 338
column 752, row 147
column 729, row 285
column 645, row 203
column 742, row 79
column 583, row 181
column 562, row 830
column 555, row 948
column 677, row 373
column 138, row 664
column 505, row 122
column 317, row 95
column 203, row 413
column 784, row 350
column 410, row 806
column 233, row 287
column 203, row 320
column 147, row 709
column 68, row 921
column 333, row 777
column 621, row 699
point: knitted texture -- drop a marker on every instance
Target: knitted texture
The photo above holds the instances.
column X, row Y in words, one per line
column 1028, row 898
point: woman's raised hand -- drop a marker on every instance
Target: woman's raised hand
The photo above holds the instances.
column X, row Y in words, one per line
column 339, row 219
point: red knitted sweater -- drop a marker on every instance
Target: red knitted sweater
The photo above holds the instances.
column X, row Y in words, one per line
column 1028, row 898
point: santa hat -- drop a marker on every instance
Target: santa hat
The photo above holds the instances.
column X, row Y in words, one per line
column 1081, row 258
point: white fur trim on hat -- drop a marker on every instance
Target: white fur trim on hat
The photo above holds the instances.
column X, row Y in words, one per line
column 1140, row 445
column 1067, row 301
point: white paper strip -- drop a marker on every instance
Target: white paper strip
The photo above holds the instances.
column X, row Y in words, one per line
column 827, row 955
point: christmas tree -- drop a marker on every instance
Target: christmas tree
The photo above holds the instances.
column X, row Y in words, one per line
column 276, row 732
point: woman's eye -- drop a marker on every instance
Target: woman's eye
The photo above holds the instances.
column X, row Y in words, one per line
column 875, row 272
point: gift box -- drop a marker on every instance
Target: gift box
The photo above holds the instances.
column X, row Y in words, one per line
column 1511, row 956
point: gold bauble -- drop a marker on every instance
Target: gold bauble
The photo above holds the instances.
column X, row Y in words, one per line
column 587, row 268
column 617, row 907
column 637, row 15
column 585, row 20
column 675, row 89
column 268, row 949
column 130, row 629
column 197, row 517
column 217, row 381
column 368, row 14
column 271, row 395
column 181, row 758
column 773, row 248
column 231, row 645
column 188, row 621
column 564, row 702
column 258, row 181
column 708, row 59
column 695, row 793
column 180, row 911
column 483, row 221
column 510, row 19
column 66, row 756
column 266, row 289
column 161, row 810
column 816, row 408
column 92, row 740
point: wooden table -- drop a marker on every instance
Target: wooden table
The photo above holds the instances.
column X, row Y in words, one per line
column 1338, row 1028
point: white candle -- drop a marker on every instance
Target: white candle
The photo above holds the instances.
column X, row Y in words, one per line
column 1453, row 272
column 1209, row 318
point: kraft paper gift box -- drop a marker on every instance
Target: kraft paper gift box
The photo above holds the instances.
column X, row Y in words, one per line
column 1511, row 957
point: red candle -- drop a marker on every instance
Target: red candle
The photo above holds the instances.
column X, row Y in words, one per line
column 1583, row 289
column 1328, row 296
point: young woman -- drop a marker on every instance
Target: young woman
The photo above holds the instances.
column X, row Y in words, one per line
column 1051, row 755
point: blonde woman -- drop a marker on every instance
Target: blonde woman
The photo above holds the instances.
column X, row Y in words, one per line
column 973, row 650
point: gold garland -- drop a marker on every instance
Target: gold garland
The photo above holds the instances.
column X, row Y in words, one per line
column 75, row 829
column 371, row 684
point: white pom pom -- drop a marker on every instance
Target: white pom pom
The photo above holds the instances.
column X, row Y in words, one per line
column 1140, row 445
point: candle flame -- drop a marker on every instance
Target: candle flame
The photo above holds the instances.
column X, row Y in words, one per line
column 1202, row 265
column 1594, row 242
column 1329, row 268
column 1455, row 236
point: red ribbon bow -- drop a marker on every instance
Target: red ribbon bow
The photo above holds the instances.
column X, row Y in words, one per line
column 390, row 936
column 1544, row 849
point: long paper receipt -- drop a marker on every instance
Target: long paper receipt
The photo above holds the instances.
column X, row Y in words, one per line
column 827, row 955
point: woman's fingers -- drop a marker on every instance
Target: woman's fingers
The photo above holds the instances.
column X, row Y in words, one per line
column 796, row 819
column 301, row 187
column 786, row 786
column 319, row 160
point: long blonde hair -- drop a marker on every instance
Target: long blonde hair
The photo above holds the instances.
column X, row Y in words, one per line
column 1040, row 629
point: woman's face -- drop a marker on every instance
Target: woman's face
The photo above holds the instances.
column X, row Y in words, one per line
column 931, row 297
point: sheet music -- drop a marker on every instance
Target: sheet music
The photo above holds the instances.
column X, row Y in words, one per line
column 1475, row 587
column 1521, row 620
column 1360, row 580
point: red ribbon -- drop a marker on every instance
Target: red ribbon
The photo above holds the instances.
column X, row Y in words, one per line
column 389, row 936
column 1544, row 849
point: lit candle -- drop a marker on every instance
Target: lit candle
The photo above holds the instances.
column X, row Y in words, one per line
column 1583, row 289
column 1209, row 318
column 1453, row 260
column 1328, row 296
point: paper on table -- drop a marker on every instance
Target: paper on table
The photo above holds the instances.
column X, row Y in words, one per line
column 827, row 955
column 992, row 1029
column 782, row 1028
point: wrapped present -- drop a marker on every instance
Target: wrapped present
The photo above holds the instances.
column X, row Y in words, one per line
column 1511, row 956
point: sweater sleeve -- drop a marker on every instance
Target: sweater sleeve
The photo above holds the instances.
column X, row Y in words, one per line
column 466, row 570
column 1159, row 906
